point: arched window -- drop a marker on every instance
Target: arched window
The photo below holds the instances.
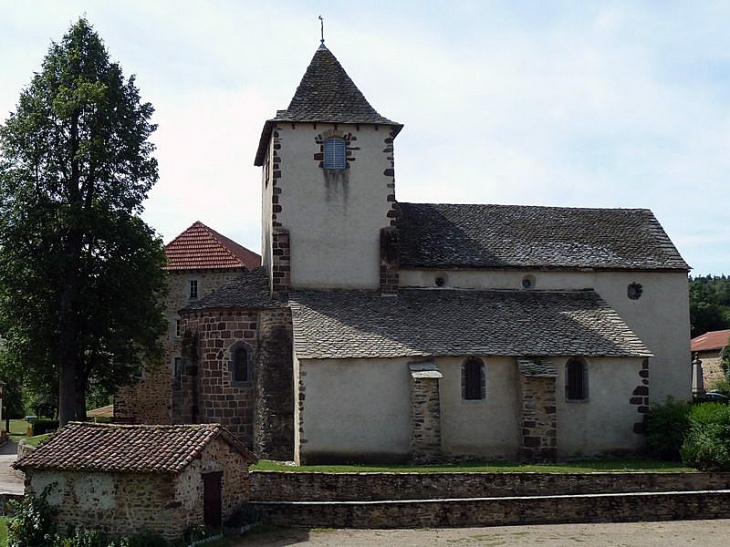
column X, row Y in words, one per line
column 335, row 153
column 576, row 380
column 473, row 385
column 241, row 367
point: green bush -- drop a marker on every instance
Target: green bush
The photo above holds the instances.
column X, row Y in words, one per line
column 41, row 426
column 666, row 429
column 707, row 445
column 32, row 523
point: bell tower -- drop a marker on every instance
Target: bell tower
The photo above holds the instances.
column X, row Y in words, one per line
column 328, row 184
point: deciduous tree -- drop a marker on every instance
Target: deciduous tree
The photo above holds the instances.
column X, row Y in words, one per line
column 80, row 272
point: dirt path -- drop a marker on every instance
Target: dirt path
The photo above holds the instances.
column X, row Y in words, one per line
column 704, row 533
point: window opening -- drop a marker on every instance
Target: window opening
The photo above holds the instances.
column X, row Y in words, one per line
column 241, row 364
column 193, row 289
column 472, row 380
column 177, row 368
column 335, row 154
column 576, row 380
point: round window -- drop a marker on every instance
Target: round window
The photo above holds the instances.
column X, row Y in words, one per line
column 528, row 282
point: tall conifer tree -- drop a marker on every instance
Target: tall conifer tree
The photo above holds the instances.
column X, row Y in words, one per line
column 80, row 272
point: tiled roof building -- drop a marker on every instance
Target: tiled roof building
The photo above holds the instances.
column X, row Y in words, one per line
column 200, row 248
column 126, row 478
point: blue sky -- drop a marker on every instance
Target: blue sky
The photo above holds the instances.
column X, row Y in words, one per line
column 581, row 104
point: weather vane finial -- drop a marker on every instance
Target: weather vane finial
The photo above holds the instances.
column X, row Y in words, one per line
column 321, row 29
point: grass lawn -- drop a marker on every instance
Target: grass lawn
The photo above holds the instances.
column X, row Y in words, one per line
column 3, row 531
column 586, row 466
column 18, row 429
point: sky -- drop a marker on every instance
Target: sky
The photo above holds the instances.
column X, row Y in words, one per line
column 560, row 103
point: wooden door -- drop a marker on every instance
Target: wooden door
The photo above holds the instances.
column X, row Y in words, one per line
column 212, row 516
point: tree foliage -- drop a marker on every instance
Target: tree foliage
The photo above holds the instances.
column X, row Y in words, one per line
column 709, row 298
column 80, row 272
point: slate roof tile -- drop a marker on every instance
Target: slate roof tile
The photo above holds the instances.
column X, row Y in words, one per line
column 326, row 94
column 84, row 446
column 511, row 236
column 440, row 322
column 249, row 290
column 202, row 248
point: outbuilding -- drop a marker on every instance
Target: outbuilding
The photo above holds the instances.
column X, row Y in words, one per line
column 127, row 478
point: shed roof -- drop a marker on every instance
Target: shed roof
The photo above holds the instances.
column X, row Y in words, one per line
column 716, row 339
column 438, row 235
column 84, row 446
column 249, row 290
column 202, row 248
column 441, row 322
column 326, row 94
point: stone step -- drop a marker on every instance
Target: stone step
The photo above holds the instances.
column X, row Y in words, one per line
column 498, row 511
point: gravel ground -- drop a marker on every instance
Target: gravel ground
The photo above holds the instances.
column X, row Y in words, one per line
column 705, row 533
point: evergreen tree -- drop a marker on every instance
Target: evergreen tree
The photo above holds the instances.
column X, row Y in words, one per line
column 80, row 272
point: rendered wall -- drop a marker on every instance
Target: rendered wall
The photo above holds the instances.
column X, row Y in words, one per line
column 355, row 409
column 333, row 217
column 660, row 317
column 488, row 427
column 604, row 423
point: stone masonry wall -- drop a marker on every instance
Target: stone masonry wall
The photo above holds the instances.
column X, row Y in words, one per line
column 498, row 511
column 275, row 486
column 274, row 419
column 150, row 400
column 217, row 397
column 539, row 422
column 425, row 443
column 117, row 503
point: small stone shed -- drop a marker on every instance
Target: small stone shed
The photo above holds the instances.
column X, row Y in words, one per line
column 127, row 478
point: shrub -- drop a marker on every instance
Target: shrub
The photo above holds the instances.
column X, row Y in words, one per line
column 707, row 445
column 42, row 426
column 667, row 427
column 32, row 523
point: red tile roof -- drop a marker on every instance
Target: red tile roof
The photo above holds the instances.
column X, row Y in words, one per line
column 202, row 248
column 84, row 446
column 716, row 339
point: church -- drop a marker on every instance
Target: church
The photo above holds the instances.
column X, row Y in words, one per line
column 382, row 331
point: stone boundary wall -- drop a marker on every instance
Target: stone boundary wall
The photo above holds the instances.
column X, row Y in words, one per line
column 498, row 511
column 271, row 486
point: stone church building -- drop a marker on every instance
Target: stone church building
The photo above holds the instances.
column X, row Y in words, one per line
column 378, row 330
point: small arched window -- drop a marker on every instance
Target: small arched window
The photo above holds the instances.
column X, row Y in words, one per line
column 335, row 153
column 473, row 385
column 241, row 368
column 576, row 380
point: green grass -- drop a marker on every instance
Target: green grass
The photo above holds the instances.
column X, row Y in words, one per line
column 35, row 441
column 586, row 466
column 18, row 429
column 3, row 531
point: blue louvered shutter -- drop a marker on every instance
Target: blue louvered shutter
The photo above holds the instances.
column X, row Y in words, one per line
column 335, row 154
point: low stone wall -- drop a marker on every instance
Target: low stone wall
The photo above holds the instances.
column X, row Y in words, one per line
column 275, row 486
column 498, row 511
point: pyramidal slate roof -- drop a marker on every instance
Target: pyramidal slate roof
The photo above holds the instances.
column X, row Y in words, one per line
column 326, row 94
column 84, row 446
column 439, row 322
column 249, row 290
column 202, row 248
column 515, row 236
